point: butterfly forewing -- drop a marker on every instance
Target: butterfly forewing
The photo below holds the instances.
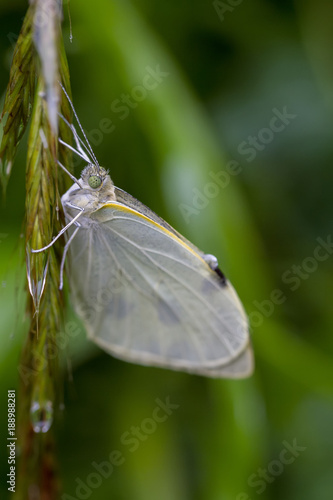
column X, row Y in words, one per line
column 148, row 297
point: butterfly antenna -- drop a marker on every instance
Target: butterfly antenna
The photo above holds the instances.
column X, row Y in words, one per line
column 81, row 155
column 79, row 123
column 79, row 143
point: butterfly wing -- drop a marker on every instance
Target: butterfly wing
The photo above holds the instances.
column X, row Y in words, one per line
column 148, row 297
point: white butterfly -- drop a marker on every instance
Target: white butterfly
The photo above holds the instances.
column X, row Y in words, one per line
column 145, row 293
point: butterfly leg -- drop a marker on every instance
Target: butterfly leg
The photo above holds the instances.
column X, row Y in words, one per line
column 64, row 229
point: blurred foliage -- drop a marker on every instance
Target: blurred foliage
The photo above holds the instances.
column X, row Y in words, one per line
column 226, row 74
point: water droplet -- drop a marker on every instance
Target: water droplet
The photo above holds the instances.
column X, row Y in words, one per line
column 41, row 416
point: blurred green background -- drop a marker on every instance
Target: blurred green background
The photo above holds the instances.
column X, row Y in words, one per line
column 224, row 70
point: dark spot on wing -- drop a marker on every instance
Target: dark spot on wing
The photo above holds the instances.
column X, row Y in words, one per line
column 119, row 307
column 166, row 314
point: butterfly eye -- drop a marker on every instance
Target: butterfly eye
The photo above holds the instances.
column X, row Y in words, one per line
column 94, row 181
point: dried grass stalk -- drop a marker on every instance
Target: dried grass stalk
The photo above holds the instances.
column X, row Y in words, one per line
column 39, row 64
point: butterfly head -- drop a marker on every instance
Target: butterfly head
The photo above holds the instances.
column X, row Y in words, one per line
column 95, row 177
column 96, row 181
